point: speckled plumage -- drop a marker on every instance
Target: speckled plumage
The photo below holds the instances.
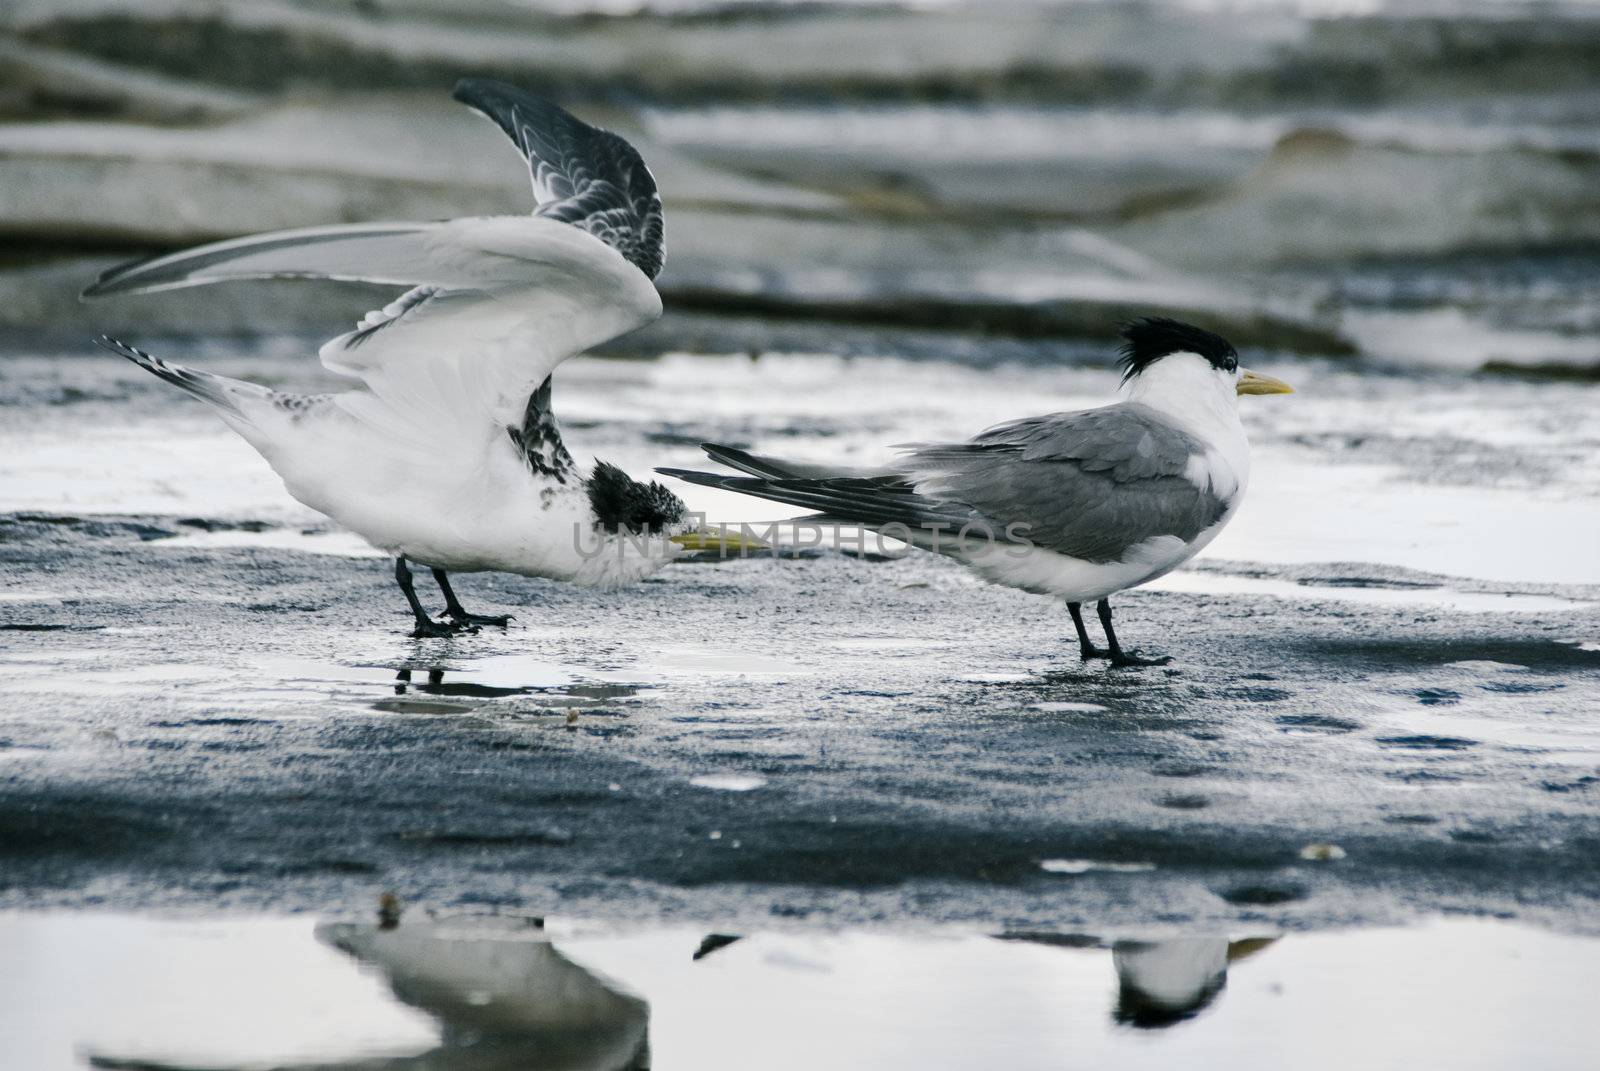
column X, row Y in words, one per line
column 443, row 449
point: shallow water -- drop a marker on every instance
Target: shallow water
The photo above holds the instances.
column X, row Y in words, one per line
column 1485, row 479
column 482, row 992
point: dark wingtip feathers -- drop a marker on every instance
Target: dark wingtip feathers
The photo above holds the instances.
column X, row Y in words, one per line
column 498, row 100
column 704, row 479
column 109, row 281
column 122, row 349
column 201, row 384
column 744, row 461
column 479, row 93
column 150, row 363
column 1150, row 338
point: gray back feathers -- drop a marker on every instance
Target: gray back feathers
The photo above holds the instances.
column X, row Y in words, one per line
column 1087, row 484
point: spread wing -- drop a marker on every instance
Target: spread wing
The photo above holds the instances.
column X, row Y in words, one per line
column 363, row 252
column 1088, row 484
column 496, row 303
column 582, row 175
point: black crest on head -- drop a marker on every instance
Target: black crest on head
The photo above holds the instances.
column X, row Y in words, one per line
column 1147, row 340
column 623, row 504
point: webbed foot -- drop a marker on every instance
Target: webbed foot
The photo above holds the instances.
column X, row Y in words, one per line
column 427, row 628
column 1123, row 658
column 465, row 620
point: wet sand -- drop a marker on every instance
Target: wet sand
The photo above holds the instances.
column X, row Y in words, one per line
column 232, row 729
column 207, row 708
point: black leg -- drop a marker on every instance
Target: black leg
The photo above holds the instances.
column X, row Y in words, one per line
column 1086, row 646
column 1119, row 657
column 457, row 613
column 426, row 626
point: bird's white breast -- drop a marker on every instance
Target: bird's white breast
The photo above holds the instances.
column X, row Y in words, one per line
column 462, row 503
column 1048, row 572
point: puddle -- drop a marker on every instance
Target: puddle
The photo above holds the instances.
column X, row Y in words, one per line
column 996, row 677
column 1086, row 866
column 488, row 678
column 34, row 676
column 496, row 677
column 1054, row 707
column 888, row 643
column 1561, row 742
column 683, row 660
column 729, row 782
column 338, row 542
column 1300, row 509
column 1477, row 602
column 497, row 992
column 444, row 687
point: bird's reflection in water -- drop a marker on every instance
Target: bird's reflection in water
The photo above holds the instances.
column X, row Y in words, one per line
column 437, row 685
column 504, row 996
column 1160, row 983
column 1163, row 982
column 436, row 681
column 712, row 942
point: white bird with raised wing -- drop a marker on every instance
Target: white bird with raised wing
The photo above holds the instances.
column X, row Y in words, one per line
column 443, row 449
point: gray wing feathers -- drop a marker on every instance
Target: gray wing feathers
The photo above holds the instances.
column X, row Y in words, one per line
column 1087, row 514
column 582, row 175
column 1089, row 484
column 372, row 252
column 1127, row 441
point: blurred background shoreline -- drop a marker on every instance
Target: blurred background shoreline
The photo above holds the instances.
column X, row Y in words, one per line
column 1414, row 185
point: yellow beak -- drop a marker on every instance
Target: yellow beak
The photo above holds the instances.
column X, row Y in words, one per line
column 1256, row 383
column 723, row 540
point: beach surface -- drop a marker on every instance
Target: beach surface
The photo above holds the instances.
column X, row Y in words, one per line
column 210, row 700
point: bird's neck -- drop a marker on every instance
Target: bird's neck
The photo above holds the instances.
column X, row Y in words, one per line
column 1192, row 394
